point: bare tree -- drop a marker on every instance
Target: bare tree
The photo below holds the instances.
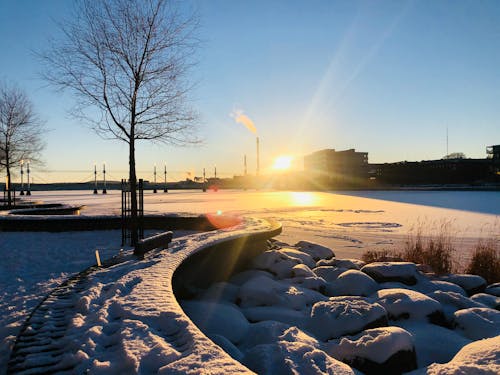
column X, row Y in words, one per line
column 128, row 59
column 21, row 132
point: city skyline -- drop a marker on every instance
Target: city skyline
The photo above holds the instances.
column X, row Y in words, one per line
column 387, row 78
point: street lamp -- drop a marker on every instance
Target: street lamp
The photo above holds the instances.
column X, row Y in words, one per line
column 95, row 178
column 154, row 173
column 28, row 192
column 165, row 190
column 104, row 191
column 22, row 183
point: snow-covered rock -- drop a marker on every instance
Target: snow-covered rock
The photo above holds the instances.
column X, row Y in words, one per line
column 478, row 357
column 351, row 264
column 241, row 278
column 487, row 300
column 301, row 270
column 329, row 273
column 478, row 323
column 352, row 283
column 472, row 284
column 451, row 302
column 264, row 332
column 303, row 256
column 222, row 319
column 316, row 251
column 287, row 357
column 277, row 313
column 221, row 291
column 493, row 289
column 261, row 291
column 277, row 262
column 341, row 316
column 433, row 343
column 402, row 272
column 408, row 304
column 313, row 282
column 387, row 350
column 227, row 346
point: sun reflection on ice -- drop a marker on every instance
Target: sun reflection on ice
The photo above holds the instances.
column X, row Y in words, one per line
column 303, row 199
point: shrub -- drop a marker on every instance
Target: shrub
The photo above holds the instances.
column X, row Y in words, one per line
column 434, row 250
column 485, row 261
column 371, row 256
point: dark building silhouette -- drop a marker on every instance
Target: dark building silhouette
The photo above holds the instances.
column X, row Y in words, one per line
column 337, row 163
column 442, row 171
column 330, row 168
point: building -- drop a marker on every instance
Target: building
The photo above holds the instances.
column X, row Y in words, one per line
column 345, row 164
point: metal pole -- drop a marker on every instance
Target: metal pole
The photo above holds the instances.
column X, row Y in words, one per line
column 165, row 190
column 154, row 190
column 104, row 191
column 28, row 192
column 22, row 183
column 95, row 178
column 203, row 184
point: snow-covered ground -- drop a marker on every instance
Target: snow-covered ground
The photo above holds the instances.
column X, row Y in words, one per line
column 33, row 263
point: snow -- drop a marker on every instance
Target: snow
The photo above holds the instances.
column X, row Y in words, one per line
column 376, row 344
column 478, row 322
column 341, row 316
column 407, row 304
column 222, row 319
column 477, row 358
column 127, row 320
column 352, row 283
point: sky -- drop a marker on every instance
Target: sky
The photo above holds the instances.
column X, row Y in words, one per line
column 390, row 78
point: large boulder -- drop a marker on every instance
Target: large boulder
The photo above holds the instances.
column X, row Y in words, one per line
column 352, row 283
column 341, row 316
column 387, row 350
column 276, row 262
column 402, row 272
column 277, row 313
column 451, row 302
column 487, row 299
column 479, row 357
column 433, row 343
column 287, row 358
column 316, row 251
column 478, row 323
column 261, row 291
column 472, row 284
column 264, row 332
column 222, row 319
column 221, row 291
column 408, row 304
column 329, row 273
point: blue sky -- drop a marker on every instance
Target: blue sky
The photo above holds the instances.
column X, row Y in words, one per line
column 384, row 77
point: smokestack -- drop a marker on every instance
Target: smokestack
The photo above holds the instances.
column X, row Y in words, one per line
column 258, row 156
column 245, row 164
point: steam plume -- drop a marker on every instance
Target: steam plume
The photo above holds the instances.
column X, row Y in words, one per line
column 241, row 118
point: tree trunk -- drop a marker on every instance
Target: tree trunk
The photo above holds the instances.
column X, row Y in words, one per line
column 134, row 238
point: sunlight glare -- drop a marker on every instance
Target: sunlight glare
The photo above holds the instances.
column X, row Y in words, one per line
column 303, row 199
column 282, row 162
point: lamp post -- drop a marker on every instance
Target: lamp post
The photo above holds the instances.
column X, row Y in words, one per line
column 154, row 173
column 22, row 183
column 28, row 192
column 95, row 178
column 104, row 191
column 165, row 190
column 204, row 185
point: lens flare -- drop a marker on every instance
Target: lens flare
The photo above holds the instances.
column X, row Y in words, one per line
column 283, row 162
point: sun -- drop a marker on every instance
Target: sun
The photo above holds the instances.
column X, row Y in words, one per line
column 282, row 162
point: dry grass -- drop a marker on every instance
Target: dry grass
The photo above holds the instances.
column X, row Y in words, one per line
column 371, row 256
column 485, row 261
column 434, row 249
